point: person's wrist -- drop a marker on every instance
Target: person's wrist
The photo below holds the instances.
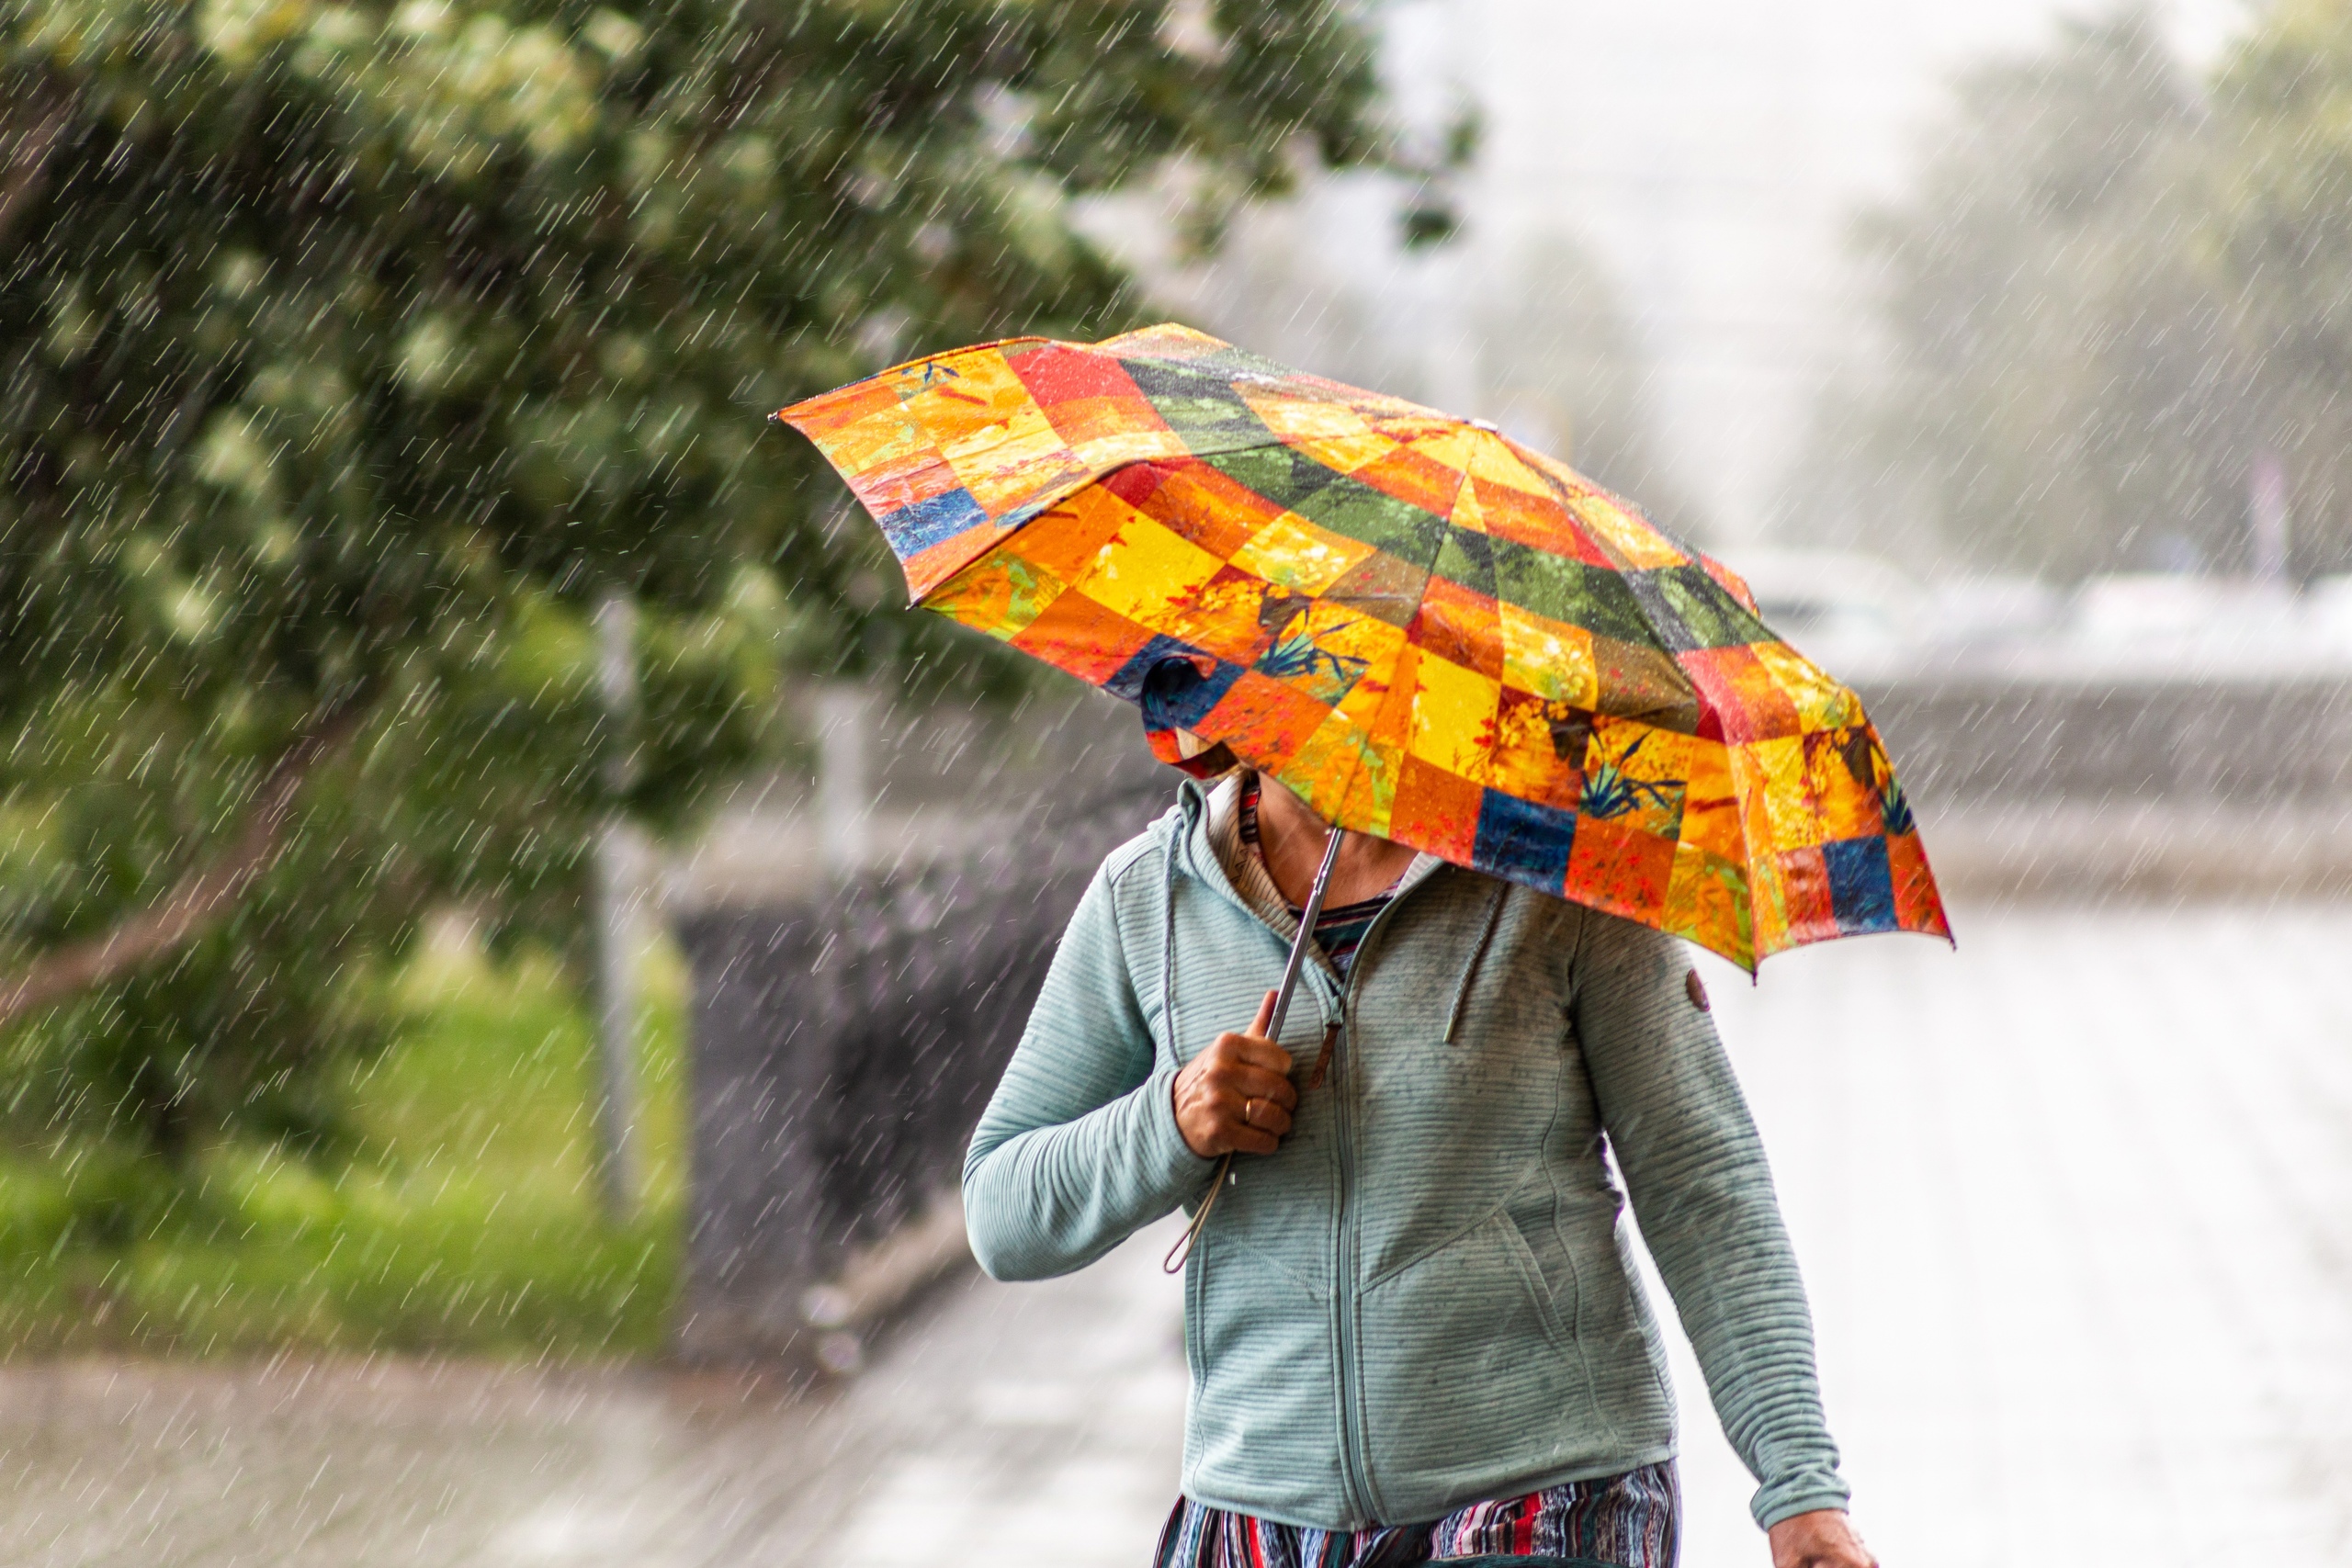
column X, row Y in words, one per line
column 1819, row 1537
column 1176, row 1116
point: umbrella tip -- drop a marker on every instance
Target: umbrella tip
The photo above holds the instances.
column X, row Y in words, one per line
column 1489, row 425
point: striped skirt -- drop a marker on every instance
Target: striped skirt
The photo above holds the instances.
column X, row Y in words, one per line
column 1620, row 1521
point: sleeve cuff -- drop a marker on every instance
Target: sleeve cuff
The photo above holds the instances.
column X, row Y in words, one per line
column 1799, row 1495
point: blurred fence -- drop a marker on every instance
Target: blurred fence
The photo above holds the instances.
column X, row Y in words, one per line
column 846, row 1037
column 849, row 1027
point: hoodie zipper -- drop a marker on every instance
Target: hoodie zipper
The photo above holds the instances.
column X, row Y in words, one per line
column 1355, row 1468
column 1346, row 1326
column 1344, row 1315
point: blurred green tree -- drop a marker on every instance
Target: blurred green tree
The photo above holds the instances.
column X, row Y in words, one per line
column 350, row 351
column 2064, row 391
column 2281, row 237
column 2116, row 292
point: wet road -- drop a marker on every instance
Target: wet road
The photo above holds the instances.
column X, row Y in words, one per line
column 2074, row 1202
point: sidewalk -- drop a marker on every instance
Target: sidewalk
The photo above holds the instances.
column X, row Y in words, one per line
column 1031, row 1427
column 2075, row 1205
column 2074, row 1202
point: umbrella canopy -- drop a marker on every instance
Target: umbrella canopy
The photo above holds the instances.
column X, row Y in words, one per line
column 1430, row 632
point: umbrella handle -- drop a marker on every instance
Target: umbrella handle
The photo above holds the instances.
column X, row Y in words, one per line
column 1181, row 1252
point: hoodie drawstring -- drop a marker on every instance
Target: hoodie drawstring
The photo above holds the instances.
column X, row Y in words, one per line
column 1181, row 1252
column 1168, row 950
column 1478, row 955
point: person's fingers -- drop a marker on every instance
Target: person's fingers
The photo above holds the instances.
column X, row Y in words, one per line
column 1266, row 1116
column 1249, row 1048
column 1254, row 1106
column 1230, row 1080
column 1248, row 1140
column 1238, row 1096
column 1247, row 1082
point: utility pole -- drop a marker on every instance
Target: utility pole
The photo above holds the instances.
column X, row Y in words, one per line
column 617, row 894
column 844, row 774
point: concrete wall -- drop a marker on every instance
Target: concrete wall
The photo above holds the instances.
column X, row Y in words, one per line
column 2075, row 785
column 1980, row 739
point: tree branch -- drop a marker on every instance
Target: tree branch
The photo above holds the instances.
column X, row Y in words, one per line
column 200, row 899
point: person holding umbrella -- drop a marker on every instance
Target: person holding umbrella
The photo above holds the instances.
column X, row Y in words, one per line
column 1482, row 746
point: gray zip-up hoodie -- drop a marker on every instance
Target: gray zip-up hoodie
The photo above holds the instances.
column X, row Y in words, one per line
column 1427, row 1296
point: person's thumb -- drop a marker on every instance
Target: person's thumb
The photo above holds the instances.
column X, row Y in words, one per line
column 1266, row 1018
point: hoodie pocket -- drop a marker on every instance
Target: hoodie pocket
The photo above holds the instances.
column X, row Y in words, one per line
column 1469, row 1373
column 1263, row 1409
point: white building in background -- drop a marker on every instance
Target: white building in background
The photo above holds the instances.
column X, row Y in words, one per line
column 1706, row 156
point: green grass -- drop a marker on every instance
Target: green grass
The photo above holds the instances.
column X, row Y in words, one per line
column 465, row 1219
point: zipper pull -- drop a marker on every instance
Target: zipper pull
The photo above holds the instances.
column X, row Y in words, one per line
column 1323, row 1059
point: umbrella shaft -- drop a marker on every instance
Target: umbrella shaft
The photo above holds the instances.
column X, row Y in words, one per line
column 1183, row 1248
column 1306, row 919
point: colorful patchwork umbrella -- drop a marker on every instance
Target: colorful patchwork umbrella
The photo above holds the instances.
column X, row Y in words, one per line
column 1428, row 631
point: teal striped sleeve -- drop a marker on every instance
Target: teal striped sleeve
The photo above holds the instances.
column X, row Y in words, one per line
column 1694, row 1167
column 1079, row 1147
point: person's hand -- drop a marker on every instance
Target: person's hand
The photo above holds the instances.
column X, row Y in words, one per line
column 1822, row 1539
column 1237, row 1094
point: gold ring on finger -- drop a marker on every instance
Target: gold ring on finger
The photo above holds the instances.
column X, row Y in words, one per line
column 1249, row 1112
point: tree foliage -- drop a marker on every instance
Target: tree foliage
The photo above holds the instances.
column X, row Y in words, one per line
column 351, row 351
column 2281, row 237
column 2113, row 287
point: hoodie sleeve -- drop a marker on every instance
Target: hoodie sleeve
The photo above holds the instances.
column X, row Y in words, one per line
column 1695, row 1171
column 1079, row 1147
